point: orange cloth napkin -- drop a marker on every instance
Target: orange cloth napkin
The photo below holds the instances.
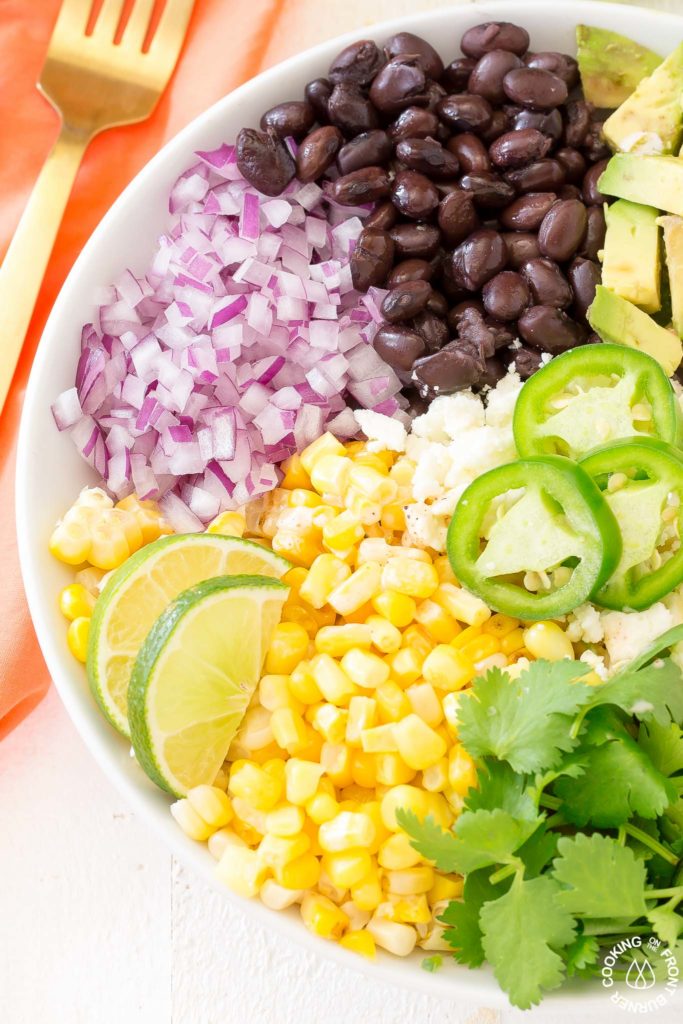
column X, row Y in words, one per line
column 228, row 42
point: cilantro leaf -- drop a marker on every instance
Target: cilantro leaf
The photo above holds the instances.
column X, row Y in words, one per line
column 538, row 851
column 500, row 787
column 464, row 933
column 581, row 955
column 664, row 746
column 654, row 692
column 524, row 721
column 521, row 932
column 601, row 878
column 632, row 785
column 666, row 923
column 432, row 963
column 481, row 838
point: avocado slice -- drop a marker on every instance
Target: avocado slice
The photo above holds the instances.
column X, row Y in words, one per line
column 645, row 179
column 673, row 246
column 653, row 113
column 611, row 65
column 617, row 320
column 630, row 263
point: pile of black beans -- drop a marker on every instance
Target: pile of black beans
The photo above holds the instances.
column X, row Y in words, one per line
column 487, row 219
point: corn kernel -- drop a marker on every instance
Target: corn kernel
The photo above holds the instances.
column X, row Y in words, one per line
column 482, row 647
column 257, row 787
column 393, row 936
column 444, row 569
column 393, row 518
column 326, row 573
column 302, row 497
column 345, row 831
column 301, row 780
column 288, row 646
column 462, row 775
column 300, row 548
column 274, row 692
column 109, row 544
column 392, row 703
column 396, row 853
column 406, row 665
column 219, row 841
column 365, row 669
column 285, row 820
column 435, row 778
column 91, row 578
column 412, row 909
column 392, row 770
column 326, row 444
column 447, row 669
column 330, row 722
column 450, row 705
column 321, row 807
column 294, row 474
column 190, row 821
column 446, row 887
column 416, row 579
column 211, row 804
column 348, row 867
column 337, row 640
column 410, row 881
column 336, row 760
column 409, row 797
column 437, row 622
column 299, row 874
column 416, row 638
column 462, row 605
column 330, row 474
column 278, row 897
column 425, row 703
column 255, row 732
column 242, row 870
column 357, row 590
column 547, row 640
column 363, row 769
column 385, row 636
column 500, row 625
column 513, row 642
column 332, row 680
column 341, row 534
column 379, row 740
column 228, row 524
column 372, row 484
column 418, row 744
column 373, row 459
column 360, row 942
column 289, row 730
column 75, row 602
column 70, row 542
column 361, row 716
column 302, row 684
column 77, row 638
column 468, row 634
column 276, row 851
column 322, row 917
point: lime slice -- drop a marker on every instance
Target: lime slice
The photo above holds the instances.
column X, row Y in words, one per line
column 142, row 588
column 195, row 675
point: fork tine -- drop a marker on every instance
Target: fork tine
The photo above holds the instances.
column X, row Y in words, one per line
column 73, row 17
column 170, row 33
column 108, row 19
column 138, row 23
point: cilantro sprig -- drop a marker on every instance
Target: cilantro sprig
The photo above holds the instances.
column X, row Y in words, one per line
column 574, row 834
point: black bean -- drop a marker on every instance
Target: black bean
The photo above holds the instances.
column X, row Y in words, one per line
column 594, row 238
column 350, row 110
column 429, row 157
column 470, row 151
column 432, row 328
column 569, row 192
column 405, row 301
column 368, row 148
column 435, row 93
column 549, row 123
column 410, row 270
column 526, row 360
column 574, row 163
column 578, row 115
column 594, row 145
column 494, row 35
column 562, row 230
column 584, row 276
column 541, row 176
column 384, row 216
column 357, row 63
column 264, row 161
column 436, row 304
column 560, row 64
column 454, row 368
column 318, row 94
column 547, row 283
column 521, row 246
column 495, row 370
column 519, row 148
column 465, row 113
column 592, row 196
column 457, row 217
column 406, row 42
column 398, row 346
column 506, row 295
column 401, row 83
column 476, row 260
column 459, row 308
column 550, row 329
column 414, row 195
column 487, row 77
column 488, row 191
column 414, row 123
column 317, row 152
column 535, row 89
column 415, row 240
column 372, row 259
column 499, row 125
column 503, row 333
column 295, row 118
column 362, row 186
column 526, row 212
column 457, row 74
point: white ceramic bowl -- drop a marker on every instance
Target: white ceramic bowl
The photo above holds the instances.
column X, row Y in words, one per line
column 50, row 473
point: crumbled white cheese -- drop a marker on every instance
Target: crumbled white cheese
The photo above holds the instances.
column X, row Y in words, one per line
column 383, row 432
column 596, row 662
column 629, row 633
column 449, row 416
column 584, row 624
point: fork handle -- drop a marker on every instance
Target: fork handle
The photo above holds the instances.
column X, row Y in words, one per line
column 23, row 269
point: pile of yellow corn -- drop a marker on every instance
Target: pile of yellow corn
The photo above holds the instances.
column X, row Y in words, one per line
column 356, row 714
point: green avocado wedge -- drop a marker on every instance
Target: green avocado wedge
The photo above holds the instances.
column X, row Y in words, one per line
column 611, row 65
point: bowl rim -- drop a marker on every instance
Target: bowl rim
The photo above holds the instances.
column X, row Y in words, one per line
column 456, row 980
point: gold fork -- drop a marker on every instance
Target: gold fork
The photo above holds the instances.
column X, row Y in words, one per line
column 93, row 84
